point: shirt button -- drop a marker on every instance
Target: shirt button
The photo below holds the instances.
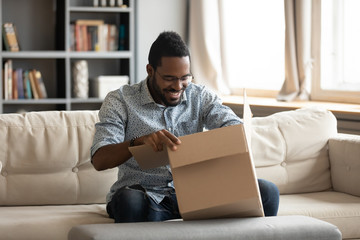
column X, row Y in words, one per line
column 75, row 169
column 170, row 129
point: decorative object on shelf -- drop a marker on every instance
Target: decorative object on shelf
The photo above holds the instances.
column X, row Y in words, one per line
column 80, row 73
column 120, row 3
column 102, row 85
column 10, row 39
column 109, row 3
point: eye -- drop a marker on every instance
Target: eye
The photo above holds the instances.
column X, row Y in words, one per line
column 170, row 79
column 186, row 78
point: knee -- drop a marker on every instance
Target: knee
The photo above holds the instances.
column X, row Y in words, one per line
column 268, row 188
column 269, row 196
column 128, row 205
column 128, row 197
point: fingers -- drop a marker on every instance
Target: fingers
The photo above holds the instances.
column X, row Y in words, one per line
column 168, row 139
column 158, row 139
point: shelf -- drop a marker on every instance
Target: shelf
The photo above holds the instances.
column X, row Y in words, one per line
column 62, row 54
column 100, row 9
column 104, row 55
column 34, row 54
column 36, row 101
column 87, row 100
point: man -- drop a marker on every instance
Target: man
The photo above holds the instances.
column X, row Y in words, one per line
column 155, row 112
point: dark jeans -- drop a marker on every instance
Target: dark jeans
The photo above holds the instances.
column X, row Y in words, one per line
column 132, row 204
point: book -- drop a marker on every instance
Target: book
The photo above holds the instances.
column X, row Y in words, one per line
column 40, row 83
column 122, row 35
column 10, row 39
column 27, row 85
column 33, row 85
column 78, row 38
column 112, row 38
column 8, row 83
column 84, row 38
column 93, row 35
column 103, row 35
column 5, row 80
column 72, row 37
column 20, row 83
column 14, row 85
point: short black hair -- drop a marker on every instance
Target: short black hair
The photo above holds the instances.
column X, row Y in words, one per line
column 167, row 44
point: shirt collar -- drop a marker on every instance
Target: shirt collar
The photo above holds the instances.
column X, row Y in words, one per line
column 147, row 98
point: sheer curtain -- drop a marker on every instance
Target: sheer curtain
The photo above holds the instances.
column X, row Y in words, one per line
column 207, row 31
column 297, row 51
column 205, row 41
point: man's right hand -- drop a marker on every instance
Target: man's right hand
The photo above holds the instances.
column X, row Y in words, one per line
column 158, row 139
column 113, row 155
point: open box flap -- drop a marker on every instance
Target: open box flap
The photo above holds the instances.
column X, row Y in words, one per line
column 217, row 143
column 147, row 158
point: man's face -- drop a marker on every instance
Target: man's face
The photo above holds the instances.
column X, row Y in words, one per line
column 167, row 84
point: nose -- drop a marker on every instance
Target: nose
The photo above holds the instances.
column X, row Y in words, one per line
column 178, row 84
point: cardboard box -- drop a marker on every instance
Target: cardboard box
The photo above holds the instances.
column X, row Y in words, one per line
column 102, row 85
column 213, row 172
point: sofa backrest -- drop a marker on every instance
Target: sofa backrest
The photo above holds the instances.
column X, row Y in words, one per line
column 45, row 159
column 291, row 149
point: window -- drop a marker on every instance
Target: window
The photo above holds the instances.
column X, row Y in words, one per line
column 255, row 40
column 336, row 41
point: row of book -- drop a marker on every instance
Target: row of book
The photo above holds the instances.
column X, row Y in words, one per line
column 10, row 37
column 96, row 35
column 22, row 84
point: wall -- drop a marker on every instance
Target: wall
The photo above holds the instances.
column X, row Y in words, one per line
column 152, row 18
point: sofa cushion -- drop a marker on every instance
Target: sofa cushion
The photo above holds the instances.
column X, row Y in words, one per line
column 256, row 228
column 45, row 159
column 344, row 151
column 340, row 209
column 48, row 222
column 291, row 149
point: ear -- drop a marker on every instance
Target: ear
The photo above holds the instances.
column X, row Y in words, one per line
column 150, row 70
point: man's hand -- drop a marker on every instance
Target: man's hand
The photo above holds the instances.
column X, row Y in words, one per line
column 157, row 140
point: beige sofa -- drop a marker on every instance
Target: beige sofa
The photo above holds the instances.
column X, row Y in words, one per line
column 48, row 185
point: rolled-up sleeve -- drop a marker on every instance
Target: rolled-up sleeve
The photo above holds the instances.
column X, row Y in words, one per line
column 111, row 127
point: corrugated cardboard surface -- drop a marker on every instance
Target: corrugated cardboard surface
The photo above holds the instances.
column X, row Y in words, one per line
column 214, row 176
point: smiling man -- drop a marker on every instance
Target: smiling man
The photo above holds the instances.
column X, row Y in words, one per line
column 156, row 112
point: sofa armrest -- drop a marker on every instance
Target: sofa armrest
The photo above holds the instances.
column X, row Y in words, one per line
column 344, row 154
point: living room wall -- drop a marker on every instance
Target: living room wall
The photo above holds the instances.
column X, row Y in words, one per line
column 152, row 18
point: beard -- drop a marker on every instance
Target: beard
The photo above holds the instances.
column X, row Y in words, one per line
column 160, row 93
